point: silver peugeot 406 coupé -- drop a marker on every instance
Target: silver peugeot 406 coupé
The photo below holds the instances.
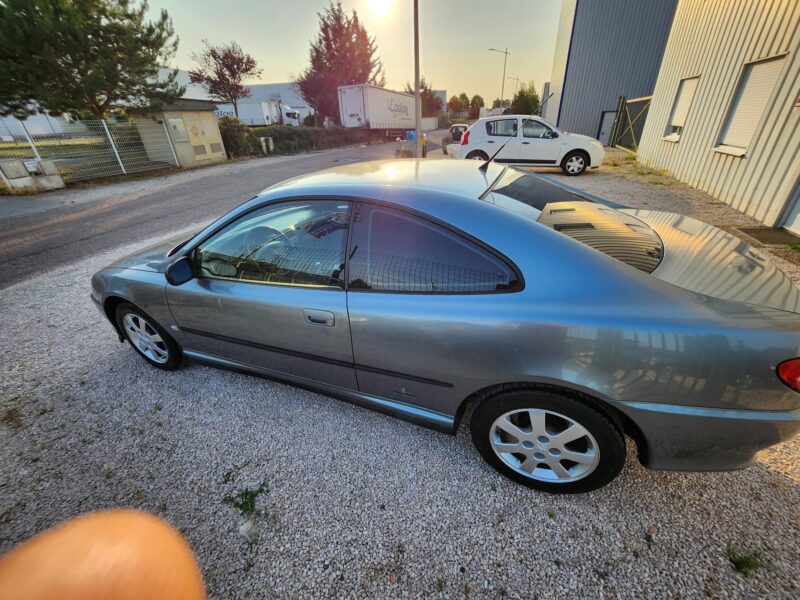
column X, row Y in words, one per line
column 423, row 288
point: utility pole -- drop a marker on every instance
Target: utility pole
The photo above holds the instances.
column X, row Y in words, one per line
column 505, row 54
column 417, row 97
column 516, row 86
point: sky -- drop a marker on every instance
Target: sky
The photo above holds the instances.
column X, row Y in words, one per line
column 454, row 37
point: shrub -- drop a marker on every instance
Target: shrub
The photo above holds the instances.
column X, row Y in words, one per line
column 238, row 139
column 308, row 121
column 290, row 140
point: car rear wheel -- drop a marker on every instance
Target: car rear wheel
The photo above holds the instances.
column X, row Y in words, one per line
column 548, row 441
column 478, row 155
column 148, row 338
column 575, row 163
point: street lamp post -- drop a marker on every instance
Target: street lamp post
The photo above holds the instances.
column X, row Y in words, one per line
column 516, row 85
column 417, row 97
column 505, row 54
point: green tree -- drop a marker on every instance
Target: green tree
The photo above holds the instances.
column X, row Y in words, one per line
column 79, row 55
column 497, row 103
column 475, row 105
column 222, row 69
column 431, row 103
column 455, row 104
column 526, row 100
column 342, row 54
column 464, row 100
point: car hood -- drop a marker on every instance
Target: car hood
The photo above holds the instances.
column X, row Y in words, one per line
column 707, row 260
column 577, row 137
column 151, row 258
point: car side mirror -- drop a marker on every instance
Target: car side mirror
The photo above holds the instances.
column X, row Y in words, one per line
column 551, row 135
column 181, row 271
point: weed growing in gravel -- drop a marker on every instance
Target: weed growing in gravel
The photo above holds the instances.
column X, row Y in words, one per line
column 795, row 247
column 13, row 418
column 648, row 538
column 245, row 500
column 230, row 475
column 744, row 564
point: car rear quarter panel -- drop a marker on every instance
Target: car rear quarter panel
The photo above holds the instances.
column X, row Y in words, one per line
column 584, row 320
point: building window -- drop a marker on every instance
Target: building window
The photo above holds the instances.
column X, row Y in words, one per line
column 680, row 108
column 752, row 94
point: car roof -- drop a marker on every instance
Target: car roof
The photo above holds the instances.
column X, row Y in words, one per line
column 460, row 177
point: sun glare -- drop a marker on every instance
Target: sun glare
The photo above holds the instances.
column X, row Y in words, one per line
column 380, row 8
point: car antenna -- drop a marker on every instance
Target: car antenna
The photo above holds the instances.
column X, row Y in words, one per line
column 485, row 165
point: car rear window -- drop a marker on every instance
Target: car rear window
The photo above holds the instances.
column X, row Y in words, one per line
column 610, row 231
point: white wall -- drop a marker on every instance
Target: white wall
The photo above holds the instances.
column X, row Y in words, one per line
column 430, row 123
column 565, row 22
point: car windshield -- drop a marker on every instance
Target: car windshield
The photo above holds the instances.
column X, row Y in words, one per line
column 612, row 232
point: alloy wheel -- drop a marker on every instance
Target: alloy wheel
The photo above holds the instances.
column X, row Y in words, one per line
column 544, row 445
column 146, row 339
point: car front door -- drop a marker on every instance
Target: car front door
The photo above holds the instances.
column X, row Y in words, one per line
column 500, row 132
column 269, row 293
column 422, row 299
column 540, row 144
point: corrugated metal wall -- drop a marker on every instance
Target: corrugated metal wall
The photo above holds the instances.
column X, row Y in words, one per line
column 616, row 50
column 714, row 39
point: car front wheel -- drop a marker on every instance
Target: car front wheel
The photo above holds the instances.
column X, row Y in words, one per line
column 478, row 155
column 548, row 441
column 145, row 336
column 575, row 163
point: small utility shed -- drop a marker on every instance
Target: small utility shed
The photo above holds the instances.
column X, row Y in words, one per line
column 193, row 130
column 725, row 114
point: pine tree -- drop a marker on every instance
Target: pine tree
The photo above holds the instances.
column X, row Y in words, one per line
column 87, row 55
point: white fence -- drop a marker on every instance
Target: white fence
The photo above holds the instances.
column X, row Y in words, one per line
column 89, row 149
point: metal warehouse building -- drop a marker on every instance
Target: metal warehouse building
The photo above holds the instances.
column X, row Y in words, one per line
column 725, row 114
column 605, row 49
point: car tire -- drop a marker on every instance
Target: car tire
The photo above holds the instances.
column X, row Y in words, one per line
column 148, row 338
column 540, row 417
column 575, row 163
column 477, row 155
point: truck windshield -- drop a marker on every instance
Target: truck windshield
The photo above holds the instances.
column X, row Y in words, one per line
column 610, row 231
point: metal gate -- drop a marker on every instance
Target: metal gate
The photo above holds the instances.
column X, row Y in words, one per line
column 629, row 124
column 90, row 148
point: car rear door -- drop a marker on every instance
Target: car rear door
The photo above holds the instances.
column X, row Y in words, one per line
column 503, row 131
column 538, row 145
column 269, row 293
column 422, row 298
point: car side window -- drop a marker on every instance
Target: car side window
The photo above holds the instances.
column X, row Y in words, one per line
column 291, row 243
column 393, row 251
column 535, row 129
column 502, row 127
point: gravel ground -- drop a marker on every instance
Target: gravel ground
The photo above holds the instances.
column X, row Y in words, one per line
column 352, row 503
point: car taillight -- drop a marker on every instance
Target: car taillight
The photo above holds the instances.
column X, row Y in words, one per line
column 465, row 138
column 789, row 373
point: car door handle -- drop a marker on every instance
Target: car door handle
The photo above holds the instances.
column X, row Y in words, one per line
column 490, row 141
column 319, row 317
column 526, row 142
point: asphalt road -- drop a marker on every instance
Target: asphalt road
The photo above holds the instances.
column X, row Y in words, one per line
column 84, row 221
